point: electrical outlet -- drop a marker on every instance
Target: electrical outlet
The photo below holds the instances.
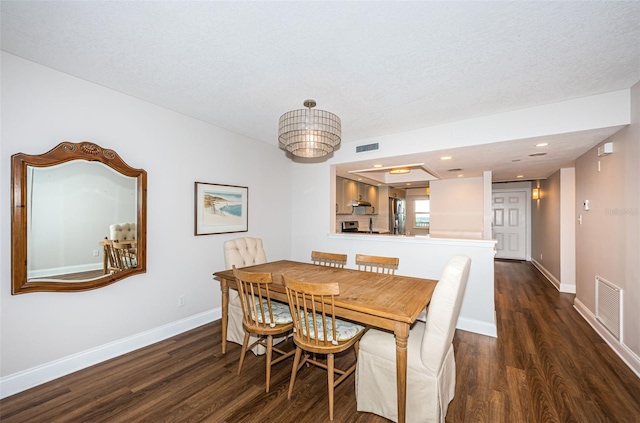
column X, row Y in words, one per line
column 182, row 300
column 96, row 253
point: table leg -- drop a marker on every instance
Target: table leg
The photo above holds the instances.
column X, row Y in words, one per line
column 402, row 336
column 225, row 313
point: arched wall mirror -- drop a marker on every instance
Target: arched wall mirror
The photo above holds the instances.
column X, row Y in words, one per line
column 78, row 219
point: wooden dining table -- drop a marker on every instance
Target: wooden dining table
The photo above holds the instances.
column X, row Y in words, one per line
column 390, row 302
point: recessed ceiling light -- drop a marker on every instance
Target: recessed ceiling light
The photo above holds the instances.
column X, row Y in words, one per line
column 537, row 154
column 408, row 183
column 377, row 165
column 520, row 176
column 460, row 175
column 445, row 158
column 542, row 144
column 399, row 170
column 359, row 179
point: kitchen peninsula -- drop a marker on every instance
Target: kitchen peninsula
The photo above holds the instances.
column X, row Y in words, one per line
column 458, row 224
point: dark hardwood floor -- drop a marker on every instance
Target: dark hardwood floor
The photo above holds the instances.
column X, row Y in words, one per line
column 547, row 365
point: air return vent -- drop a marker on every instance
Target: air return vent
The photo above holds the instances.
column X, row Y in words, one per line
column 368, row 147
column 608, row 305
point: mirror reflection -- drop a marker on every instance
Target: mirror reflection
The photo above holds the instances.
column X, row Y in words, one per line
column 74, row 206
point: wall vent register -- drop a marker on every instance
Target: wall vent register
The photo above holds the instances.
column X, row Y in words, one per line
column 608, row 306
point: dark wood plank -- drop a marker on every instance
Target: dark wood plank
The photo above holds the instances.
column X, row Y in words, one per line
column 547, row 365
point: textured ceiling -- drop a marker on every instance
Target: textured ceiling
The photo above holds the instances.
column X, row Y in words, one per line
column 383, row 67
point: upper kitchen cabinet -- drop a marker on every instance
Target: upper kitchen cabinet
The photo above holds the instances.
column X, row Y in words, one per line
column 346, row 192
column 368, row 193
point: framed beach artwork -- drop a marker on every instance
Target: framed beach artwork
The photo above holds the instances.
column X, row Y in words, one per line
column 221, row 209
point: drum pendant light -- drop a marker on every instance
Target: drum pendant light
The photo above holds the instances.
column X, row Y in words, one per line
column 309, row 133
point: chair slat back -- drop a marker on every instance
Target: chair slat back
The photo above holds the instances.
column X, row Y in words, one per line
column 121, row 255
column 310, row 305
column 111, row 264
column 377, row 264
column 255, row 297
column 126, row 253
column 328, row 259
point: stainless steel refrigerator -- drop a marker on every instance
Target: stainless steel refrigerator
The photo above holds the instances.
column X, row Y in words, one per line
column 397, row 216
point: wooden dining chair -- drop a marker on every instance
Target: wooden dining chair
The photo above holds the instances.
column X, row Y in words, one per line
column 262, row 317
column 316, row 331
column 377, row 264
column 328, row 259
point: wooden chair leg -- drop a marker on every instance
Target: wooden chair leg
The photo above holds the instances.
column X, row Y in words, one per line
column 330, row 376
column 294, row 370
column 269, row 357
column 245, row 343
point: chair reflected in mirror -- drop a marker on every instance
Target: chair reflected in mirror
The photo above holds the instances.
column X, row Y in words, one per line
column 120, row 249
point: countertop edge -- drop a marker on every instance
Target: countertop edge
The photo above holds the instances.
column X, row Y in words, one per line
column 414, row 239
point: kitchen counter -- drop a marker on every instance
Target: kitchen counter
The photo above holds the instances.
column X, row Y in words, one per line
column 426, row 256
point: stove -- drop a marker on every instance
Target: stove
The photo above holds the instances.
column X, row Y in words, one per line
column 352, row 226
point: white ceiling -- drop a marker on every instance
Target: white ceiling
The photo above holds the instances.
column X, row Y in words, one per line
column 382, row 66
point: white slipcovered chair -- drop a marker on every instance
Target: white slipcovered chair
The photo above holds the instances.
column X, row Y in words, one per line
column 431, row 367
column 241, row 252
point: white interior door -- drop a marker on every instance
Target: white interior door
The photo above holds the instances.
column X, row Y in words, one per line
column 509, row 211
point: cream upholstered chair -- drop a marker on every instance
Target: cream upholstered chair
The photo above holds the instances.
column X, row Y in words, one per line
column 262, row 316
column 431, row 367
column 377, row 264
column 123, row 232
column 328, row 259
column 241, row 252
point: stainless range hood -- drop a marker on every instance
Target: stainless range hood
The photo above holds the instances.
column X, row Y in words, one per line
column 360, row 203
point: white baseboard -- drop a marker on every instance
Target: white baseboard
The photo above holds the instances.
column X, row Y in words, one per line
column 477, row 326
column 546, row 274
column 628, row 356
column 23, row 380
column 565, row 288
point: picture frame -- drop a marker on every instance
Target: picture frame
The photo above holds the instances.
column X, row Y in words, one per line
column 221, row 209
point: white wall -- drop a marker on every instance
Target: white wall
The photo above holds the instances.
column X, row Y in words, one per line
column 44, row 333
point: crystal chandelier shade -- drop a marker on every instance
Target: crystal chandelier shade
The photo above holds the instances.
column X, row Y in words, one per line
column 309, row 133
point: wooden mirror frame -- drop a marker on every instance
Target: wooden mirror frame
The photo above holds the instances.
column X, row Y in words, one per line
column 65, row 152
